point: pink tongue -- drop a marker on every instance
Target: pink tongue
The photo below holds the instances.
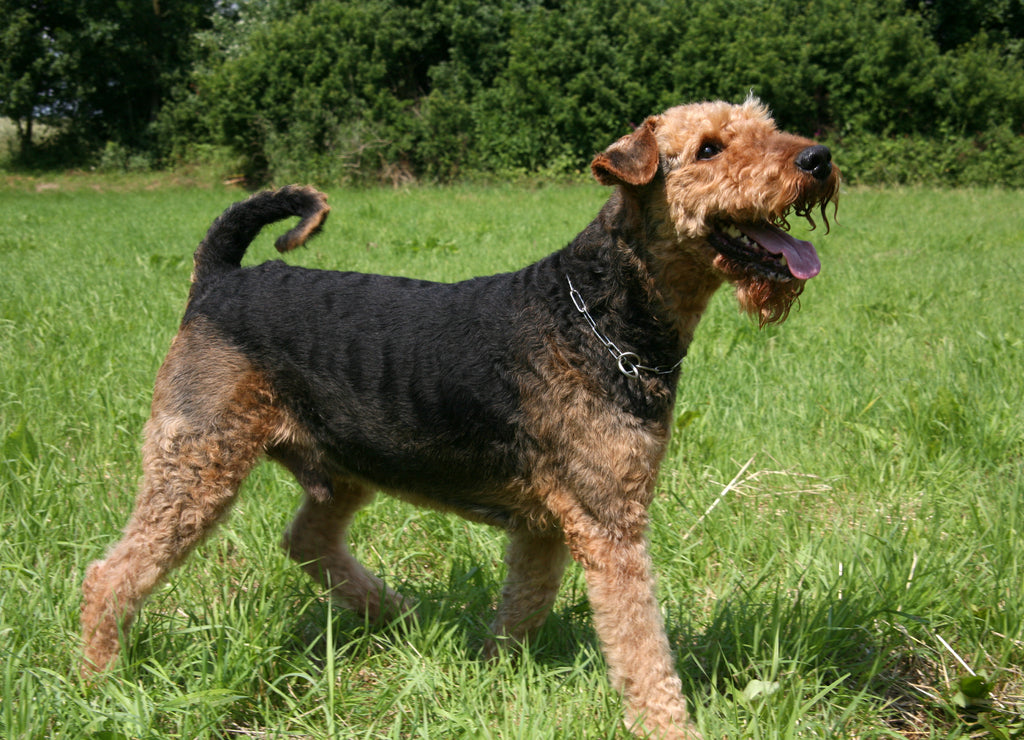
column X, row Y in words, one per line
column 800, row 256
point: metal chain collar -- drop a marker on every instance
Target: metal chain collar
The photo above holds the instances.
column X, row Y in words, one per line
column 628, row 362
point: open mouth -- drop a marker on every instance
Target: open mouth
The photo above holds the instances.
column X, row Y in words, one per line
column 767, row 249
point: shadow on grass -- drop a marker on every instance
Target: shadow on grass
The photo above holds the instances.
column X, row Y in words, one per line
column 836, row 658
column 846, row 651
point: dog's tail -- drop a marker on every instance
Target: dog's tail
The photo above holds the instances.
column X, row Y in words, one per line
column 230, row 235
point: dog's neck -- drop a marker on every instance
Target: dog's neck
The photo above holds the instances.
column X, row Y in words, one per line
column 674, row 278
column 630, row 363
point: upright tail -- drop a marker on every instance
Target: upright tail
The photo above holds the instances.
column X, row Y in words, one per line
column 230, row 235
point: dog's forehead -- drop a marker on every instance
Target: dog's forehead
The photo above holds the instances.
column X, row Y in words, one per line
column 683, row 128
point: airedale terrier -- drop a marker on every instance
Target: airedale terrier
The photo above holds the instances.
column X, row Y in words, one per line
column 539, row 401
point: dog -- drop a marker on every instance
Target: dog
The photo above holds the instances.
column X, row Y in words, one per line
column 539, row 401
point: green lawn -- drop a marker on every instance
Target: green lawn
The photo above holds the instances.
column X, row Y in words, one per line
column 865, row 555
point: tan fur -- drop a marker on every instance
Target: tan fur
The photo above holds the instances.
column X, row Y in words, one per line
column 592, row 465
column 199, row 447
column 316, row 540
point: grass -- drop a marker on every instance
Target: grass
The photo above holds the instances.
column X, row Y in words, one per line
column 837, row 531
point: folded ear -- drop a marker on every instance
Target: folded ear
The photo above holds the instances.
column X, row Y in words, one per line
column 632, row 160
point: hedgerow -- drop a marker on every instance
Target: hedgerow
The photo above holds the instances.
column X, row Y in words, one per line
column 337, row 91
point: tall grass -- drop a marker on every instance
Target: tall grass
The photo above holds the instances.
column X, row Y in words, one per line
column 837, row 531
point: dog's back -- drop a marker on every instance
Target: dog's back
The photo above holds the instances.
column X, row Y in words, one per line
column 409, row 384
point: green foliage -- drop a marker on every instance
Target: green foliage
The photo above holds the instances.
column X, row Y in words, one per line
column 98, row 69
column 575, row 77
column 994, row 156
column 953, row 23
column 119, row 158
column 321, row 93
column 337, row 91
column 22, row 69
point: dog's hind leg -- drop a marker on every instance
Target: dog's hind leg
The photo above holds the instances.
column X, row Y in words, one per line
column 316, row 539
column 536, row 563
column 211, row 420
column 190, row 482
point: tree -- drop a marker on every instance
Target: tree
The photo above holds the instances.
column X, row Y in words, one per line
column 954, row 23
column 99, row 69
column 25, row 68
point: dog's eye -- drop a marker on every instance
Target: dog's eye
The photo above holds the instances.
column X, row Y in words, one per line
column 709, row 149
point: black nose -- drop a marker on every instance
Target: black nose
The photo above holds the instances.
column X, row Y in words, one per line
column 815, row 160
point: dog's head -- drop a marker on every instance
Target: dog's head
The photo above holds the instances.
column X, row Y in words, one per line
column 725, row 181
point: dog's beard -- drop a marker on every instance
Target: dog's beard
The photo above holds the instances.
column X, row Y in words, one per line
column 768, row 300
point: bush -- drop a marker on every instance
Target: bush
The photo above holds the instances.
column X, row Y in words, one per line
column 335, row 91
column 995, row 157
column 119, row 158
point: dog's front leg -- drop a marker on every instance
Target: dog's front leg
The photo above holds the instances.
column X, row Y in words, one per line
column 629, row 624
